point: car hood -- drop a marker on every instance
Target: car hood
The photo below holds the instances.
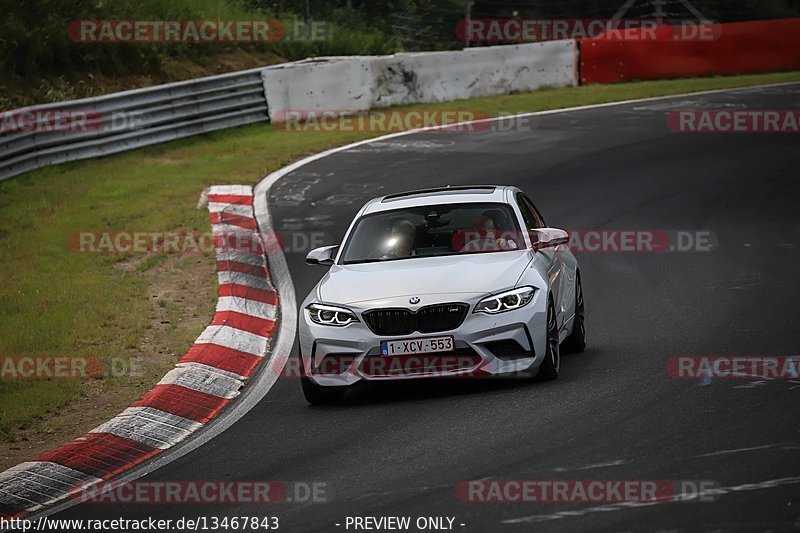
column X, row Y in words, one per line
column 471, row 274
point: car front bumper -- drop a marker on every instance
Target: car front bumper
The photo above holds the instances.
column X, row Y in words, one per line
column 484, row 346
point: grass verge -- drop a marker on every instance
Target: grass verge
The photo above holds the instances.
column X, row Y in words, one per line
column 54, row 301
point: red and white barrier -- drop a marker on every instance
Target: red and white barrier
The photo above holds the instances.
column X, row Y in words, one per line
column 205, row 380
column 667, row 52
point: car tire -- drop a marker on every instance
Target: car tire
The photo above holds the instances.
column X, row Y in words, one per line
column 551, row 365
column 576, row 342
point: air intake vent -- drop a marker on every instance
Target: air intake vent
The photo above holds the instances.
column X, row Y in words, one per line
column 509, row 349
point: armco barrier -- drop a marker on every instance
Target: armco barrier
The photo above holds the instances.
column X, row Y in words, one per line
column 132, row 119
column 141, row 117
column 737, row 48
column 364, row 83
column 208, row 377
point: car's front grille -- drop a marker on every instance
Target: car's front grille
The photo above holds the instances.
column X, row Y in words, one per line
column 390, row 321
column 430, row 319
column 441, row 317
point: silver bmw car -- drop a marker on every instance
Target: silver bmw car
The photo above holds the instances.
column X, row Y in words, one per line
column 449, row 282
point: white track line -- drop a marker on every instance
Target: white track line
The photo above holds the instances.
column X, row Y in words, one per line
column 709, row 493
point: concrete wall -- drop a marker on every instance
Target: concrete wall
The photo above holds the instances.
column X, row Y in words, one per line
column 361, row 83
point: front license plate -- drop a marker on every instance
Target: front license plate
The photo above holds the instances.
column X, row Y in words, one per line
column 415, row 346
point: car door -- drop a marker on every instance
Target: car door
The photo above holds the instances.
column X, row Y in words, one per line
column 555, row 266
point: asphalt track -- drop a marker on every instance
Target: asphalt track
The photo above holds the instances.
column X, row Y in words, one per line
column 614, row 413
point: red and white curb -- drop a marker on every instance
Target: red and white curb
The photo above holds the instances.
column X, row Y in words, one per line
column 206, row 379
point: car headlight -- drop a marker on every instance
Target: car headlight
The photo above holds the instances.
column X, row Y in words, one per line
column 329, row 315
column 507, row 301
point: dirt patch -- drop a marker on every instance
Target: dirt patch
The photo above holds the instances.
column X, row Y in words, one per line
column 182, row 295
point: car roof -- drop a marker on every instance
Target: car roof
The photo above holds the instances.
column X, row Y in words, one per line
column 442, row 195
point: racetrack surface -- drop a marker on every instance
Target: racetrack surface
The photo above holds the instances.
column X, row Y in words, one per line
column 614, row 413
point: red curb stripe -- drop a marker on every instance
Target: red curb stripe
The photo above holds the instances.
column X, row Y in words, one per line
column 181, row 401
column 232, row 219
column 249, row 293
column 244, row 268
column 101, row 455
column 230, row 199
column 250, row 324
column 222, row 358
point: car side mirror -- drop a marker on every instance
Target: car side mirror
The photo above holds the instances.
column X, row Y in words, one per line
column 322, row 256
column 548, row 238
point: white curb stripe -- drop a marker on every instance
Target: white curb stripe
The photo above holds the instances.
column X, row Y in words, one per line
column 233, row 190
column 231, row 231
column 29, row 489
column 48, row 473
column 37, row 483
column 227, row 277
column 246, row 307
column 234, row 209
column 15, row 501
column 207, row 368
column 149, row 426
column 235, row 339
column 242, row 257
column 203, row 380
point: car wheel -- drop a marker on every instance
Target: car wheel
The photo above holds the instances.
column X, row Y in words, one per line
column 552, row 359
column 576, row 342
column 317, row 394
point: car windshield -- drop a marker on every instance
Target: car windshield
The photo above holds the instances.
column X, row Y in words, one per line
column 433, row 230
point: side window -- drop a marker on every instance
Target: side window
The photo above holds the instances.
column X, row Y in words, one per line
column 533, row 220
column 536, row 214
column 527, row 213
